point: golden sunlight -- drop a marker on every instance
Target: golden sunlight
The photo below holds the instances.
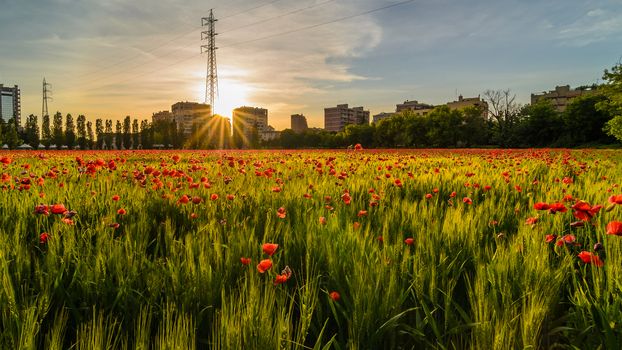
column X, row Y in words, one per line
column 232, row 93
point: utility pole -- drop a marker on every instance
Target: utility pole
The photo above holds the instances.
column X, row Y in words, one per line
column 46, row 91
column 211, row 79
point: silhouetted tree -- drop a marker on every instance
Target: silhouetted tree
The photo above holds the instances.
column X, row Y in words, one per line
column 135, row 134
column 46, row 132
column 99, row 132
column 127, row 138
column 90, row 139
column 117, row 134
column 31, row 131
column 57, row 130
column 70, row 132
column 81, row 131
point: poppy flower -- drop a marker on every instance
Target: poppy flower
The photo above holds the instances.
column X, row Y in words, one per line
column 334, row 296
column 358, row 147
column 121, row 211
column 115, row 197
column 531, row 221
column 453, row 194
column 356, row 225
column 213, row 197
column 115, row 225
column 264, row 265
column 269, row 248
column 428, row 196
column 362, row 213
column 43, row 238
column 467, row 200
column 183, row 199
column 616, row 199
column 590, row 258
column 322, row 220
column 551, row 238
column 541, row 206
column 245, row 261
column 6, row 160
column 614, row 228
column 409, row 241
column 281, row 213
column 58, row 209
column 346, row 198
column 196, row 200
column 42, row 209
column 584, row 211
column 557, row 208
column 230, row 197
column 398, row 182
column 285, row 275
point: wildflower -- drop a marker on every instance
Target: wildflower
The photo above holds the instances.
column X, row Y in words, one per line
column 614, row 228
column 264, row 265
column 284, row 276
column 584, row 211
column 409, row 241
column 557, row 208
column 121, row 211
column 428, row 196
column 115, row 198
column 531, row 221
column 322, row 220
column 551, row 238
column 398, row 182
column 541, row 206
column 281, row 213
column 183, row 200
column 358, row 147
column 269, row 248
column 467, row 200
column 245, row 261
column 334, row 296
column 58, row 209
column 213, row 197
column 362, row 213
column 42, row 209
column 44, row 237
column 196, row 200
column 590, row 258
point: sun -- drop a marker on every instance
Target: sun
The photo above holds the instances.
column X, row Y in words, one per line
column 232, row 92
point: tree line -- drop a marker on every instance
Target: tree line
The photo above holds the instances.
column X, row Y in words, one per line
column 592, row 119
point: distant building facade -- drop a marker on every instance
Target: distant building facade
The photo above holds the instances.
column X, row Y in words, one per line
column 299, row 123
column 161, row 116
column 560, row 97
column 10, row 103
column 249, row 123
column 463, row 102
column 337, row 118
column 381, row 116
column 414, row 106
column 186, row 114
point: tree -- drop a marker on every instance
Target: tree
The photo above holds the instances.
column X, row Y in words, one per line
column 541, row 125
column 135, row 134
column 89, row 135
column 614, row 127
column 81, row 131
column 117, row 135
column 70, row 132
column 108, row 132
column 99, row 132
column 146, row 134
column 505, row 114
column 127, row 138
column 584, row 122
column 31, row 131
column 11, row 137
column 46, row 133
column 57, row 129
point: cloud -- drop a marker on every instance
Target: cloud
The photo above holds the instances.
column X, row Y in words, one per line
column 595, row 26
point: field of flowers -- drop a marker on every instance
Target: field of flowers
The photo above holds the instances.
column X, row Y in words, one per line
column 358, row 249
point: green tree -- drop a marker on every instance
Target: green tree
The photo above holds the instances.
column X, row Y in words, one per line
column 146, row 134
column 31, row 131
column 70, row 132
column 541, row 125
column 135, row 134
column 81, row 131
column 46, row 133
column 57, row 130
column 584, row 122
column 108, row 132
column 90, row 139
column 504, row 115
column 99, row 132
column 10, row 134
column 127, row 137
column 118, row 130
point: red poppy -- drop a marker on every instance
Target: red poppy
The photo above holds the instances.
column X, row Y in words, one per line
column 322, row 220
column 356, row 225
column 334, row 296
column 43, row 238
column 42, row 209
column 230, row 197
column 362, row 213
column 264, row 265
column 121, row 211
column 285, row 275
column 428, row 196
column 409, row 241
column 551, row 238
column 346, row 198
column 58, row 209
column 115, row 225
column 5, row 160
column 245, row 261
column 557, row 208
column 269, row 248
column 584, row 211
column 590, row 258
column 115, row 197
column 541, row 206
column 453, row 194
column 183, row 200
column 531, row 221
column 213, row 197
column 467, row 200
column 617, row 199
column 398, row 182
column 614, row 228
column 196, row 200
column 281, row 213
column 358, row 147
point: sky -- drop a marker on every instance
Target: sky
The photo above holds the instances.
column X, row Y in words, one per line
column 112, row 58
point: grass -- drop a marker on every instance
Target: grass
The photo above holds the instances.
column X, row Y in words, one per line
column 476, row 276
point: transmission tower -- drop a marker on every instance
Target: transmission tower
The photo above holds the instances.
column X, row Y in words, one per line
column 211, row 79
column 46, row 91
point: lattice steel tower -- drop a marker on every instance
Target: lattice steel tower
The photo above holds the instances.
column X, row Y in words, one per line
column 211, row 79
column 46, row 97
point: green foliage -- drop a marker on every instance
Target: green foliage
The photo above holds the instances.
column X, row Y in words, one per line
column 614, row 127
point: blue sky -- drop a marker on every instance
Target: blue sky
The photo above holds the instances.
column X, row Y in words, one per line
column 118, row 57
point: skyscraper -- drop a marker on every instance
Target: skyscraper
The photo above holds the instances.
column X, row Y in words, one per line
column 248, row 125
column 10, row 104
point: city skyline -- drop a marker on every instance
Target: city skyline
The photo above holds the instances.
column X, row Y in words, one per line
column 109, row 60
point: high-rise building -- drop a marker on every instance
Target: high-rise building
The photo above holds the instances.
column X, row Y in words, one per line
column 186, row 114
column 380, row 116
column 299, row 123
column 336, row 118
column 248, row 125
column 10, row 104
column 561, row 96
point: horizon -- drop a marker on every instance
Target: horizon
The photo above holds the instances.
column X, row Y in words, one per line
column 138, row 58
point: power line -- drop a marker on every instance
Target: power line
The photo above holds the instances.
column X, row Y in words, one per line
column 265, row 37
column 249, row 10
